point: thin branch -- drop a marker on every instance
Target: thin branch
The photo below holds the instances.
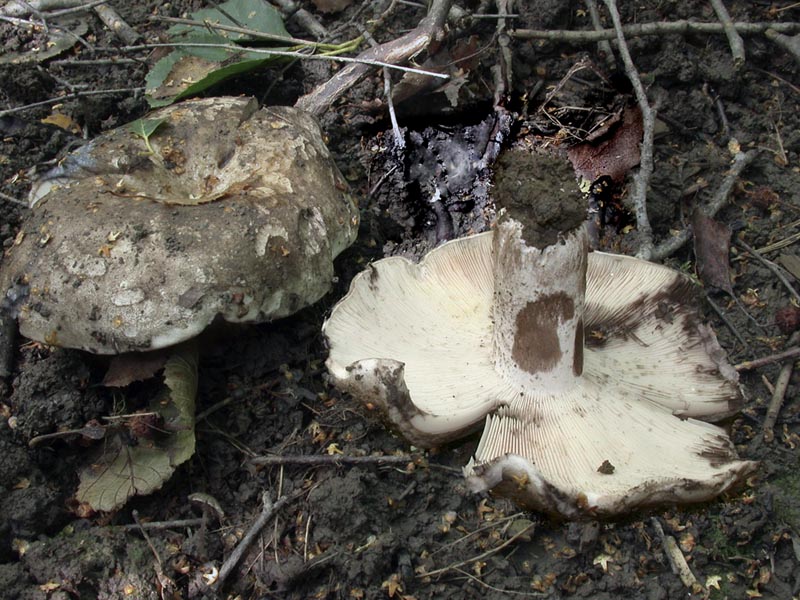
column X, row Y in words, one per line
column 399, row 140
column 161, row 525
column 269, row 508
column 53, row 8
column 8, row 334
column 254, row 33
column 602, row 45
column 740, row 162
column 81, row 94
column 789, row 43
column 390, row 53
column 642, row 178
column 303, row 18
column 13, row 200
column 117, row 24
column 646, row 29
column 486, row 554
column 332, row 460
column 749, row 365
column 674, row 555
column 734, row 39
column 241, row 50
column 776, row 402
column 776, row 270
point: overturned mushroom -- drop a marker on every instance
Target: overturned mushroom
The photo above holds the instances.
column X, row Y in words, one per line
column 208, row 208
column 592, row 369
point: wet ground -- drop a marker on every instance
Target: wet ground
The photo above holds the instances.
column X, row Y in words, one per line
column 411, row 529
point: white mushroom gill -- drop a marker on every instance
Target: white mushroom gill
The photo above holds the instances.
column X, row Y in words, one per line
column 592, row 369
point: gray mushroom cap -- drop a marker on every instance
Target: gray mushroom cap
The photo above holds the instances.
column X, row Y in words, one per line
column 237, row 213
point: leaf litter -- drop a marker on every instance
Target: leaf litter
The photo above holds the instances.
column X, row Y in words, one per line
column 138, row 460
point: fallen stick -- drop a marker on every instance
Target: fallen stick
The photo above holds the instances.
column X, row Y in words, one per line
column 645, row 29
column 269, row 508
column 8, row 333
column 776, row 402
column 117, row 24
column 486, row 554
column 776, row 270
column 160, row 525
column 672, row 244
column 749, row 365
column 430, row 29
column 789, row 43
column 16, row 8
column 641, row 179
column 677, row 560
column 734, row 39
column 332, row 460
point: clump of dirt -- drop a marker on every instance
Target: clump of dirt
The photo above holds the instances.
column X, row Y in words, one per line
column 540, row 192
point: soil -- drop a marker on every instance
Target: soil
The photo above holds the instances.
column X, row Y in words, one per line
column 374, row 530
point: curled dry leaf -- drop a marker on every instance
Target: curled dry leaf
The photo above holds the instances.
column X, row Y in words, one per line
column 613, row 154
column 712, row 242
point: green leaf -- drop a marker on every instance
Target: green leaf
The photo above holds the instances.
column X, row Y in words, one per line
column 144, row 128
column 190, row 70
column 251, row 14
column 179, row 75
column 124, row 468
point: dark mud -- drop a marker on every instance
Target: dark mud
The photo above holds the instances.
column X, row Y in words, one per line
column 376, row 531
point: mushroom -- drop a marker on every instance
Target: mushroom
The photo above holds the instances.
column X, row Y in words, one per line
column 592, row 373
column 143, row 237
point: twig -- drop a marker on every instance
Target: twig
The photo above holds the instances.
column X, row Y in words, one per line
column 740, row 162
column 167, row 585
column 776, row 270
column 269, row 508
column 602, row 45
column 787, row 241
column 790, row 44
column 73, row 96
column 486, row 554
column 254, row 33
column 91, row 62
column 117, row 24
column 503, row 592
column 390, row 53
column 303, row 18
column 21, row 9
column 332, row 460
column 734, row 39
column 675, row 557
column 503, row 70
column 8, row 333
column 13, row 200
column 160, row 525
column 642, row 177
column 364, row 62
column 645, row 29
column 778, row 396
column 749, row 365
column 728, row 322
column 399, row 140
column 469, row 535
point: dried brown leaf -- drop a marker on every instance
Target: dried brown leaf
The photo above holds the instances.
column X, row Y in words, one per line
column 613, row 154
column 712, row 242
column 126, row 369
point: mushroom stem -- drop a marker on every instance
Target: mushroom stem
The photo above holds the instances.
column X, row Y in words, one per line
column 538, row 306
